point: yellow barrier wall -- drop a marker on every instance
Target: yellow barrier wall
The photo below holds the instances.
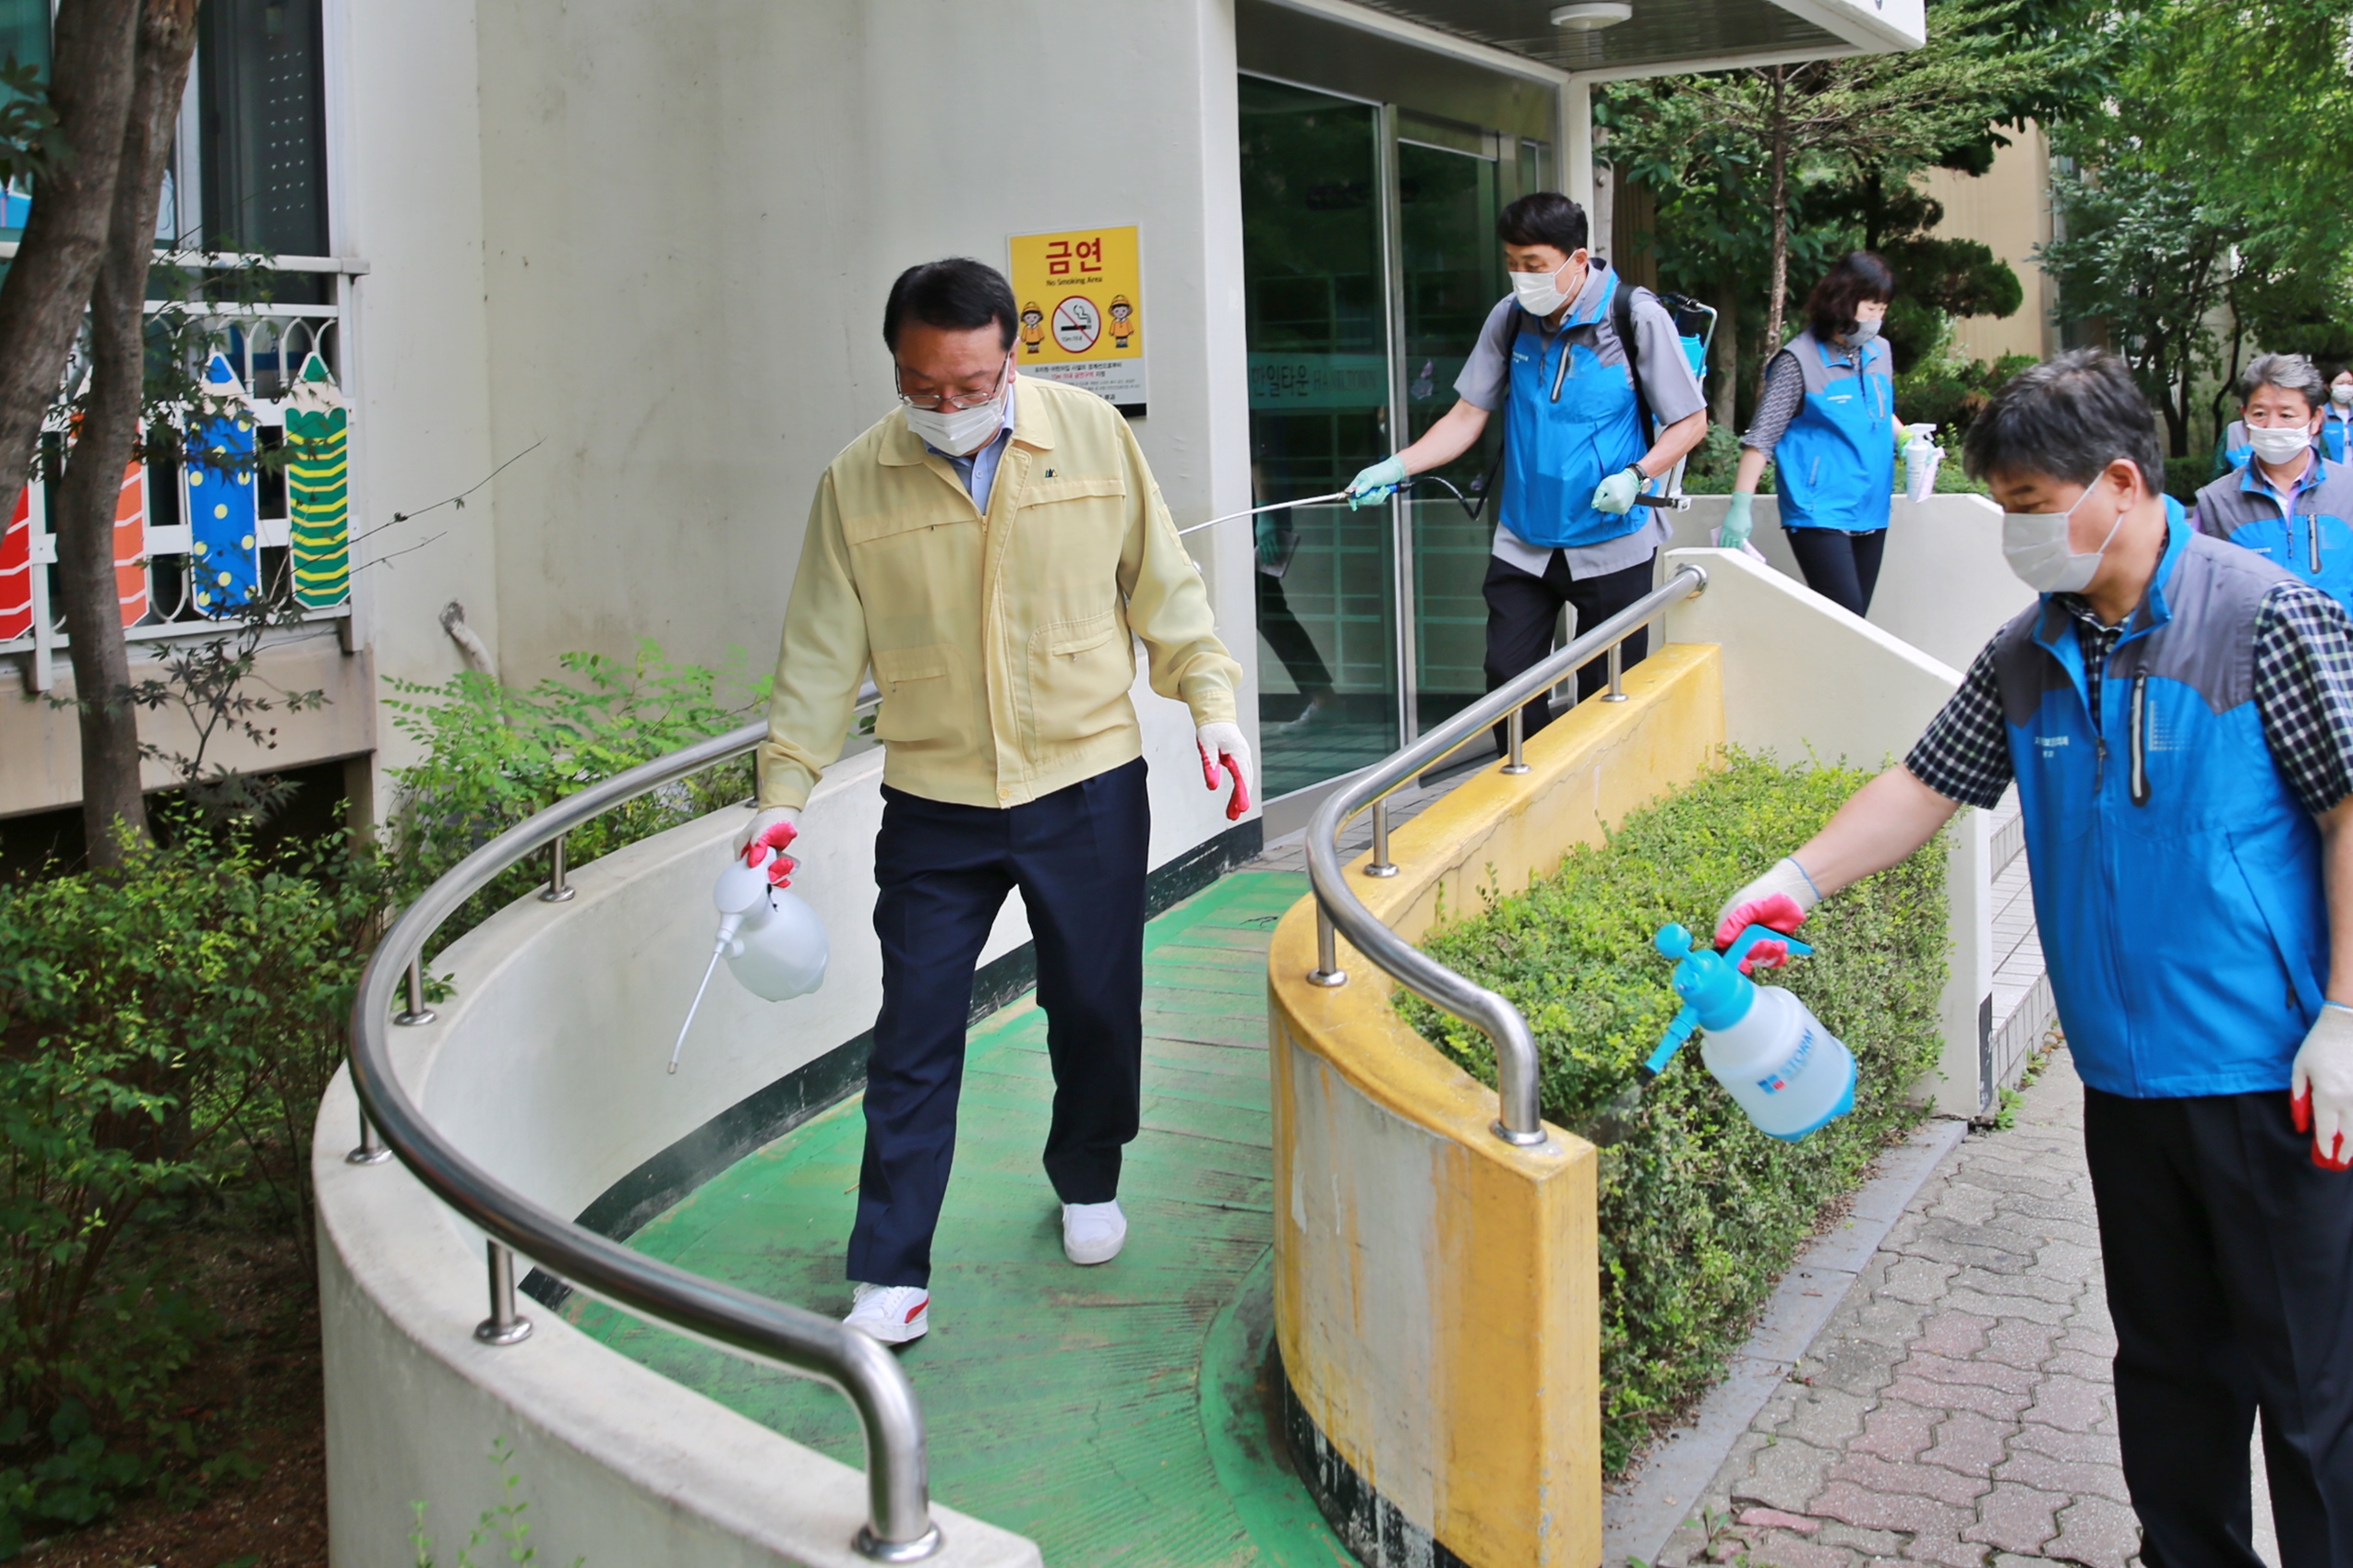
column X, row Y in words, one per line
column 1436, row 1295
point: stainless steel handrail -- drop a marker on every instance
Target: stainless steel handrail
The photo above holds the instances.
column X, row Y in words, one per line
column 1339, row 907
column 899, row 1528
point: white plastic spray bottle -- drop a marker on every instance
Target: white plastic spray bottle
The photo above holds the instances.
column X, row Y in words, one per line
column 773, row 941
column 1791, row 1076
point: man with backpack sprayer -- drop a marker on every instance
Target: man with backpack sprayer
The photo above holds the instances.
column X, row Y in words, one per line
column 1586, row 366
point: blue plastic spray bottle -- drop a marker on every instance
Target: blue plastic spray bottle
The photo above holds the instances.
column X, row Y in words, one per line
column 1765, row 1047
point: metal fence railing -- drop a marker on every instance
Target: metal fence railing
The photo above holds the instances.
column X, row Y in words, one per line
column 1339, row 912
column 898, row 1526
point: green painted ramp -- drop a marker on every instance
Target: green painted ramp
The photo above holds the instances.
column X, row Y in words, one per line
column 1117, row 1415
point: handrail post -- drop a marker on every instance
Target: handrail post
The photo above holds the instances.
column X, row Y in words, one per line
column 1618, row 671
column 558, row 890
column 417, row 1011
column 504, row 1325
column 1380, row 865
column 1513, row 729
column 370, row 1151
column 1327, row 971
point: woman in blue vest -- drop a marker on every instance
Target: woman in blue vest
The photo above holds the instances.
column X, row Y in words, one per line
column 1827, row 420
column 1598, row 403
column 2287, row 502
column 2336, row 421
column 2177, row 714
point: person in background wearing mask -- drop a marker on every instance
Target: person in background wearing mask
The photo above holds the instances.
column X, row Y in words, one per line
column 2178, row 716
column 2288, row 502
column 988, row 547
column 1577, row 452
column 1827, row 420
column 2336, row 420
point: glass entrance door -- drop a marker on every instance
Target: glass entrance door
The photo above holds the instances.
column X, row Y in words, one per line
column 1451, row 271
column 1317, row 299
column 1370, row 264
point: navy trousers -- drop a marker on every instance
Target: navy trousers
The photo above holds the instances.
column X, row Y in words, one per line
column 2230, row 1265
column 1079, row 856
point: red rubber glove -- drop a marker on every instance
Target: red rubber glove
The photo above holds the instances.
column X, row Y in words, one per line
column 1782, row 899
column 771, row 831
column 1223, row 742
column 2321, row 1088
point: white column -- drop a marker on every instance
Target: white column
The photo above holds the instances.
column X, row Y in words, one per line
column 1576, row 142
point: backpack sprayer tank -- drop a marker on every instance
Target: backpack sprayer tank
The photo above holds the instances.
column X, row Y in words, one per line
column 774, row 943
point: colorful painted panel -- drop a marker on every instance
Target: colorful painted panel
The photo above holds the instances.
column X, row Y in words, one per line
column 16, row 570
column 130, row 544
column 224, row 564
column 318, row 497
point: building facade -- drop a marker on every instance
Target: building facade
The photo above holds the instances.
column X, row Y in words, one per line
column 613, row 274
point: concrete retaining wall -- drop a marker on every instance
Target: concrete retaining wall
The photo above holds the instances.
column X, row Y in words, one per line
column 1943, row 586
column 547, row 1066
column 1436, row 1295
column 1803, row 677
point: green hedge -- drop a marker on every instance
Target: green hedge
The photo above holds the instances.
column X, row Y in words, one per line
column 1700, row 1212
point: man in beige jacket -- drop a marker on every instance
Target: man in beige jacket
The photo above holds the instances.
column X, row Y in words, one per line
column 992, row 549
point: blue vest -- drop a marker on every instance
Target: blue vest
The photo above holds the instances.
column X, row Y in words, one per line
column 2315, row 540
column 1836, row 464
column 2236, row 447
column 2177, row 879
column 2334, row 432
column 1569, row 424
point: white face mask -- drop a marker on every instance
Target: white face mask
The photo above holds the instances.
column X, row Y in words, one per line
column 2277, row 446
column 958, row 430
column 2341, row 394
column 1537, row 294
column 2035, row 546
column 1863, row 332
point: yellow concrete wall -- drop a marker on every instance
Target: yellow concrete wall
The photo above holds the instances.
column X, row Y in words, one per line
column 1437, row 1300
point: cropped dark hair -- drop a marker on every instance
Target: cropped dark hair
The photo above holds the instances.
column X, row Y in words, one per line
column 2289, row 373
column 958, row 295
column 1859, row 276
column 1544, row 217
column 2067, row 418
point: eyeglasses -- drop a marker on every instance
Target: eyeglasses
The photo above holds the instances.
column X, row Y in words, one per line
column 960, row 401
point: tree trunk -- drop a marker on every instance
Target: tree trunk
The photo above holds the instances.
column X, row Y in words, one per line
column 113, row 811
column 48, row 284
column 1777, row 133
column 1873, row 209
column 1725, row 352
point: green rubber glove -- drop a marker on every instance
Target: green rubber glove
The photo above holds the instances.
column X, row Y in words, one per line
column 1738, row 518
column 1376, row 484
column 1616, row 495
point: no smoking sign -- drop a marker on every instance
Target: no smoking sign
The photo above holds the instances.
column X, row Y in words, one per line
column 1076, row 323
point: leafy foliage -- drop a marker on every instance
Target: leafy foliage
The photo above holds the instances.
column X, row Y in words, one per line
column 165, row 1031
column 1732, row 153
column 1700, row 1212
column 495, row 754
column 2192, row 194
column 502, row 1522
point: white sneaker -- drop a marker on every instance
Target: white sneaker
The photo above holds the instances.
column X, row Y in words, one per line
column 892, row 1313
column 1093, row 1233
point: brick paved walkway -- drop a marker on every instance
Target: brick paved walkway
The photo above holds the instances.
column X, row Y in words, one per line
column 1957, row 1409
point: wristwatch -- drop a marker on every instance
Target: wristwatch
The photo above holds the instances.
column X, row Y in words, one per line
column 1640, row 470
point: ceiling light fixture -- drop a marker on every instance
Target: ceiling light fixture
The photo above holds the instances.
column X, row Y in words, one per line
column 1591, row 15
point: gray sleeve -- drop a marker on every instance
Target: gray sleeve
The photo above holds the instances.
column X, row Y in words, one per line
column 1674, row 392
column 1486, row 372
column 1784, row 391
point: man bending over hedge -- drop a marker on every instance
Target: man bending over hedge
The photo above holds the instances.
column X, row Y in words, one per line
column 2178, row 718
